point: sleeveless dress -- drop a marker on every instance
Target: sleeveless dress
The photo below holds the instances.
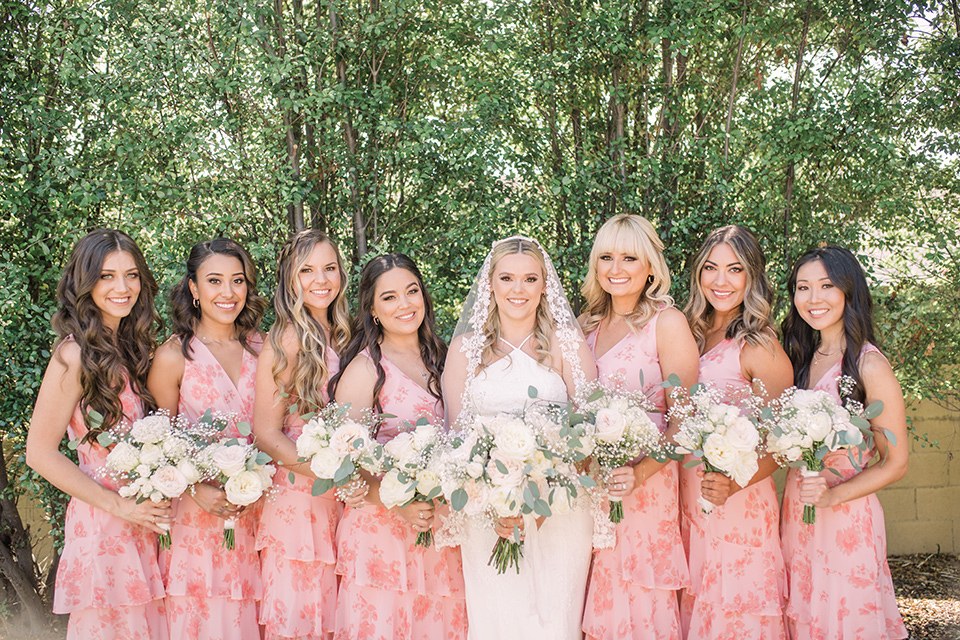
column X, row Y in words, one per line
column 545, row 600
column 390, row 588
column 633, row 587
column 297, row 544
column 212, row 591
column 108, row 579
column 736, row 569
column 838, row 580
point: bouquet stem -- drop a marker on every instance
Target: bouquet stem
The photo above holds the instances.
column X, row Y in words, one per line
column 229, row 535
column 814, row 467
column 165, row 541
column 506, row 553
column 425, row 538
column 616, row 510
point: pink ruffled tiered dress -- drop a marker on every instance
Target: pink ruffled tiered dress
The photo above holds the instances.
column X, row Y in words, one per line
column 108, row 579
column 297, row 543
column 212, row 591
column 838, row 581
column 391, row 588
column 633, row 587
column 736, row 569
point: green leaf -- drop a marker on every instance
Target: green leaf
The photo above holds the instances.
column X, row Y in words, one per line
column 587, row 481
column 244, row 428
column 874, row 410
column 542, row 508
column 342, row 475
column 321, row 486
column 532, row 391
column 673, row 380
column 292, row 477
column 105, row 439
column 890, row 436
column 458, row 499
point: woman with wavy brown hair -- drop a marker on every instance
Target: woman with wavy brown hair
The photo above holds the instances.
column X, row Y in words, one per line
column 210, row 363
column 108, row 579
column 297, row 530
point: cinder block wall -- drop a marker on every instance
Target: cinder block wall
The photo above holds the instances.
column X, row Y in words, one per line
column 923, row 510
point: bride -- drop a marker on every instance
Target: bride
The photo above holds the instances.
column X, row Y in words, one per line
column 517, row 331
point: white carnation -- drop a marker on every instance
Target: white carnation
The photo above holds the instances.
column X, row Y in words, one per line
column 718, row 452
column 151, row 455
column 174, row 447
column 151, row 429
column 402, row 449
column 308, row 445
column 742, row 435
column 123, row 457
column 424, row 435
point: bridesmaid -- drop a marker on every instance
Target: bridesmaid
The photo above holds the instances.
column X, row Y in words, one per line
column 297, row 530
column 390, row 587
column 736, row 568
column 838, row 581
column 638, row 339
column 211, row 363
column 108, row 579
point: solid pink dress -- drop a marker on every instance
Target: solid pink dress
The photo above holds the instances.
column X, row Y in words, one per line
column 212, row 591
column 297, row 543
column 736, row 569
column 632, row 588
column 108, row 579
column 391, row 588
column 838, row 581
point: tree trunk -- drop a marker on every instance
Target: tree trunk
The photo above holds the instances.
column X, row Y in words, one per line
column 791, row 166
column 16, row 556
column 733, row 85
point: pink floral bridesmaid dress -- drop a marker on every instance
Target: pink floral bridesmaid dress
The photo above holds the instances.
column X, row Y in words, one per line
column 391, row 588
column 736, row 569
column 632, row 587
column 108, row 579
column 838, row 581
column 297, row 543
column 212, row 591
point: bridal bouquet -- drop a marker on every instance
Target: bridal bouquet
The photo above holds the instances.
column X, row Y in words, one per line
column 507, row 466
column 152, row 461
column 337, row 448
column 717, row 435
column 803, row 426
column 412, row 473
column 244, row 472
column 623, row 432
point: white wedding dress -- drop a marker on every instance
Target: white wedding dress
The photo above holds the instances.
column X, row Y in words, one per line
column 545, row 600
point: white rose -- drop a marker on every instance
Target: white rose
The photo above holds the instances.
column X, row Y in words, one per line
column 514, row 470
column 308, row 445
column 610, row 425
column 325, row 463
column 718, row 452
column 315, row 428
column 514, row 439
column 189, row 471
column 123, row 457
column 146, row 488
column 230, row 459
column 562, row 502
column 169, row 481
column 402, row 449
column 345, row 439
column 744, row 468
column 150, row 454
column 424, row 436
column 742, row 435
column 143, row 471
column 539, row 464
column 505, row 502
column 427, row 481
column 244, row 488
column 587, row 444
column 462, row 453
column 820, row 426
column 805, row 441
column 474, row 469
column 793, row 454
column 394, row 492
column 150, row 429
column 478, row 497
column 127, row 491
column 174, row 447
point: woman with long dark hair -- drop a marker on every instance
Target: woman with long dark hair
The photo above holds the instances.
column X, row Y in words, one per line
column 838, row 581
column 296, row 538
column 390, row 587
column 738, row 542
column 108, row 579
column 210, row 363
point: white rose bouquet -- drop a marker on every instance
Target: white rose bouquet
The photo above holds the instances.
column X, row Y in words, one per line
column 717, row 434
column 337, row 448
column 244, row 472
column 622, row 432
column 151, row 461
column 412, row 471
column 802, row 426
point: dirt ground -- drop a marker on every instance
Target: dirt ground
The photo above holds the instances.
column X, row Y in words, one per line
column 928, row 592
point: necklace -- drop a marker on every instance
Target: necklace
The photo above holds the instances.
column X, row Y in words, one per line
column 817, row 352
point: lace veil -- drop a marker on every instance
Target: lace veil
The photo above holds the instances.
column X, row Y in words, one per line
column 476, row 310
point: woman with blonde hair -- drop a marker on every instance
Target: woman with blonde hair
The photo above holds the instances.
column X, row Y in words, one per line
column 639, row 339
column 517, row 331
column 298, row 530
column 738, row 542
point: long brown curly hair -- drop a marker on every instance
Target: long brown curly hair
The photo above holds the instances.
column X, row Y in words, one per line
column 108, row 360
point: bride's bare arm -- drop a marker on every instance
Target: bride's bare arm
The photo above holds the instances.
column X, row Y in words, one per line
column 454, row 381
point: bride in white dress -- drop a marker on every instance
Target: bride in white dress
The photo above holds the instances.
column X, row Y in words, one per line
column 516, row 330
